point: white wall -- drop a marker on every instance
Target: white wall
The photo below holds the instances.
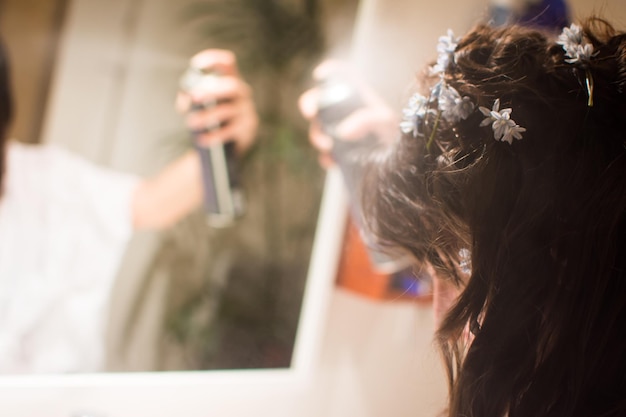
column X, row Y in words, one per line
column 394, row 39
column 614, row 10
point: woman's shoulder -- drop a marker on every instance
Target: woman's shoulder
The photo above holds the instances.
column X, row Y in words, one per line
column 46, row 160
column 40, row 154
column 25, row 163
column 53, row 171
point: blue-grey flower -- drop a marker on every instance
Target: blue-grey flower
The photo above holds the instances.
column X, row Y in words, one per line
column 576, row 47
column 580, row 53
column 445, row 48
column 408, row 126
column 512, row 131
column 490, row 113
column 413, row 113
column 435, row 91
column 504, row 128
column 572, row 35
column 465, row 261
column 454, row 108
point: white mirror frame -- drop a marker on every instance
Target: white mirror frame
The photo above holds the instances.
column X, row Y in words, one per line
column 294, row 391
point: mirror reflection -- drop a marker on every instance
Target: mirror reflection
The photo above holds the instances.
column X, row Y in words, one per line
column 86, row 286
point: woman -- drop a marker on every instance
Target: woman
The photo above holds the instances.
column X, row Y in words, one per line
column 510, row 182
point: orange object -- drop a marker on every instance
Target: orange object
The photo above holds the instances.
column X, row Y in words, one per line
column 356, row 272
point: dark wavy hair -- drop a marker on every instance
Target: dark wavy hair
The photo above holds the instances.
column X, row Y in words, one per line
column 6, row 110
column 543, row 218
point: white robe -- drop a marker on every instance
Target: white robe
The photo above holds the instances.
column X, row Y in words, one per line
column 64, row 226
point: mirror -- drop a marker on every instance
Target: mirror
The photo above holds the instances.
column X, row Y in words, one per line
column 278, row 392
column 194, row 297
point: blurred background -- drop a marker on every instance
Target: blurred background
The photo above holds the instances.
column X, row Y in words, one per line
column 99, row 77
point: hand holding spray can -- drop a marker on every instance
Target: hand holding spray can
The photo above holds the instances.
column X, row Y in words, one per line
column 223, row 197
column 337, row 99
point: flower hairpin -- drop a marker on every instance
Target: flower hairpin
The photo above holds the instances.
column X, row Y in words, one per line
column 578, row 50
column 413, row 113
column 445, row 102
column 446, row 48
column 504, row 128
column 575, row 45
column 454, row 108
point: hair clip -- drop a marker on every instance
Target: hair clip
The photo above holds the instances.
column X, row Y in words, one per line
column 578, row 50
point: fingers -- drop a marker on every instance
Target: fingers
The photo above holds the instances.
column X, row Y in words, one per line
column 223, row 61
column 325, row 160
column 233, row 129
column 375, row 117
column 222, row 110
column 323, row 144
column 236, row 121
column 228, row 88
column 356, row 125
column 307, row 104
column 334, row 68
column 320, row 141
column 342, row 70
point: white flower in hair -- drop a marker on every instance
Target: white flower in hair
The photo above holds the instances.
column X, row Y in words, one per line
column 454, row 108
column 576, row 47
column 572, row 35
column 446, row 47
column 504, row 128
column 465, row 261
column 416, row 110
column 581, row 53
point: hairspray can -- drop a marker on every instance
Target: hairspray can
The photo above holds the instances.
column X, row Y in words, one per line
column 338, row 99
column 223, row 196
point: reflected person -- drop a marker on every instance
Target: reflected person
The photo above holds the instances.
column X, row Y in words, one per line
column 65, row 224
